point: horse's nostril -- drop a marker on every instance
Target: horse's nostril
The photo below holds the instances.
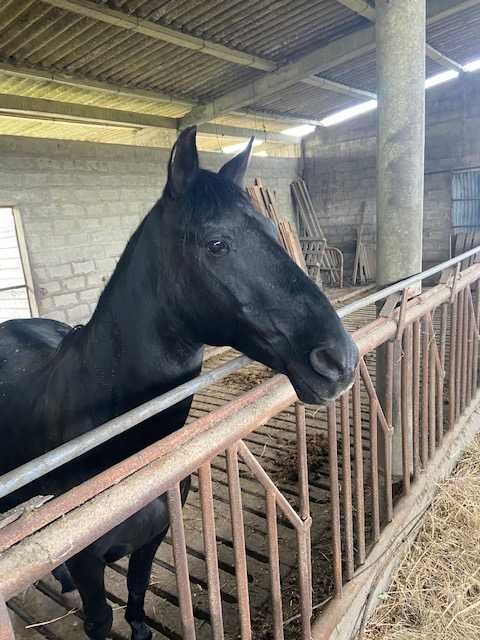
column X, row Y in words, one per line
column 332, row 364
column 326, row 363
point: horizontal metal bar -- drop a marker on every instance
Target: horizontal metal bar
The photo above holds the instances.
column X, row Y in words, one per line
column 36, row 555
column 55, row 458
column 403, row 284
column 51, row 460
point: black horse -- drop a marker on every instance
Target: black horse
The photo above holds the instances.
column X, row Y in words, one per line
column 202, row 268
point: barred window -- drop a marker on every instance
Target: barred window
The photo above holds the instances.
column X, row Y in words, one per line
column 466, row 200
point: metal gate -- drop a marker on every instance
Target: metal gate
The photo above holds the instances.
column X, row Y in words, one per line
column 431, row 341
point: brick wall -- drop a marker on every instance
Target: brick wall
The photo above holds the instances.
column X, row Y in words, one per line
column 340, row 168
column 80, row 202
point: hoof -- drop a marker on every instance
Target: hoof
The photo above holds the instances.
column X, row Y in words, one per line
column 99, row 630
column 140, row 631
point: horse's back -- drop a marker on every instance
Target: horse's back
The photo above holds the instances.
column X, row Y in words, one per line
column 26, row 344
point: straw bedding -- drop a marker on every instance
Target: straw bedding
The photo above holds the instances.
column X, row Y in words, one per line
column 436, row 592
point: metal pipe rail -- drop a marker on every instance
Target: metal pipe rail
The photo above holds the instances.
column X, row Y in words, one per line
column 34, row 469
column 41, row 540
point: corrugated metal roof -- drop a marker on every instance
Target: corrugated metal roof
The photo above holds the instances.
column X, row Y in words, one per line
column 458, row 36
column 34, row 33
column 276, row 29
column 303, row 99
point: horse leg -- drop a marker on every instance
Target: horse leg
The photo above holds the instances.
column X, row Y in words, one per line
column 62, row 574
column 88, row 573
column 138, row 578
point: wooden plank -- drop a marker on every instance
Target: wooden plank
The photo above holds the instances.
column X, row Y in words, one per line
column 265, row 201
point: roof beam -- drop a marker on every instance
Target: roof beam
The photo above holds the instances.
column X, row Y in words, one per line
column 337, row 87
column 80, row 82
column 336, row 52
column 442, row 59
column 365, row 10
column 442, row 9
column 33, row 72
column 331, row 55
column 159, row 32
column 39, row 108
column 359, row 6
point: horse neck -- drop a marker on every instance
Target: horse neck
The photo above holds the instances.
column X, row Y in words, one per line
column 136, row 337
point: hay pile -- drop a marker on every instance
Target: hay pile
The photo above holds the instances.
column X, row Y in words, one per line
column 436, row 593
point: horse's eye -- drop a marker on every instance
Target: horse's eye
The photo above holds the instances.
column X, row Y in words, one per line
column 218, row 247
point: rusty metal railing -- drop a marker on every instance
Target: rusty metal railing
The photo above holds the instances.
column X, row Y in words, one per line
column 431, row 343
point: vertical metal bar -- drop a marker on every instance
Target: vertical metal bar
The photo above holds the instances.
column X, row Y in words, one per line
column 274, row 560
column 476, row 339
column 347, row 487
column 388, row 476
column 432, row 386
column 374, row 467
column 211, row 553
column 334, row 498
column 358, row 457
column 470, row 343
column 459, row 357
column 416, row 398
column 406, row 400
column 389, row 441
column 181, row 562
column 301, row 432
column 466, row 332
column 238, row 533
column 441, row 374
column 303, row 486
column 452, row 365
column 304, row 582
column 6, row 629
column 425, row 379
column 389, row 384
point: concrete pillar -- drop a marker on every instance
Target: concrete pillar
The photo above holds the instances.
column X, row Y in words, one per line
column 400, row 36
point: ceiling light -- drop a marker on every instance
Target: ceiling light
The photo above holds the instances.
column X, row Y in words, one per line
column 300, row 131
column 474, row 65
column 347, row 114
column 240, row 146
column 440, row 78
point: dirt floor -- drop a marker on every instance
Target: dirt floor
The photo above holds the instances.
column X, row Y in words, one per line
column 436, row 592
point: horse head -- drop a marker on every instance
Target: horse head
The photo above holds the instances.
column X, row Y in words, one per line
column 235, row 284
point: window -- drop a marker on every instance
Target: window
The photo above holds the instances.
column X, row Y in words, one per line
column 466, row 200
column 16, row 287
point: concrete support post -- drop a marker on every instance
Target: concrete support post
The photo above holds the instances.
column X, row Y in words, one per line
column 400, row 37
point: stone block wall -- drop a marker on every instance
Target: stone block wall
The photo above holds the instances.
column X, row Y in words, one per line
column 80, row 202
column 340, row 168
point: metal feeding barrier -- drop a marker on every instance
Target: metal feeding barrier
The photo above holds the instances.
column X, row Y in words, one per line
column 430, row 343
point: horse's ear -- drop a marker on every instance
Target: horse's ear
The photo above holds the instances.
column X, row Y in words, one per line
column 236, row 168
column 183, row 167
